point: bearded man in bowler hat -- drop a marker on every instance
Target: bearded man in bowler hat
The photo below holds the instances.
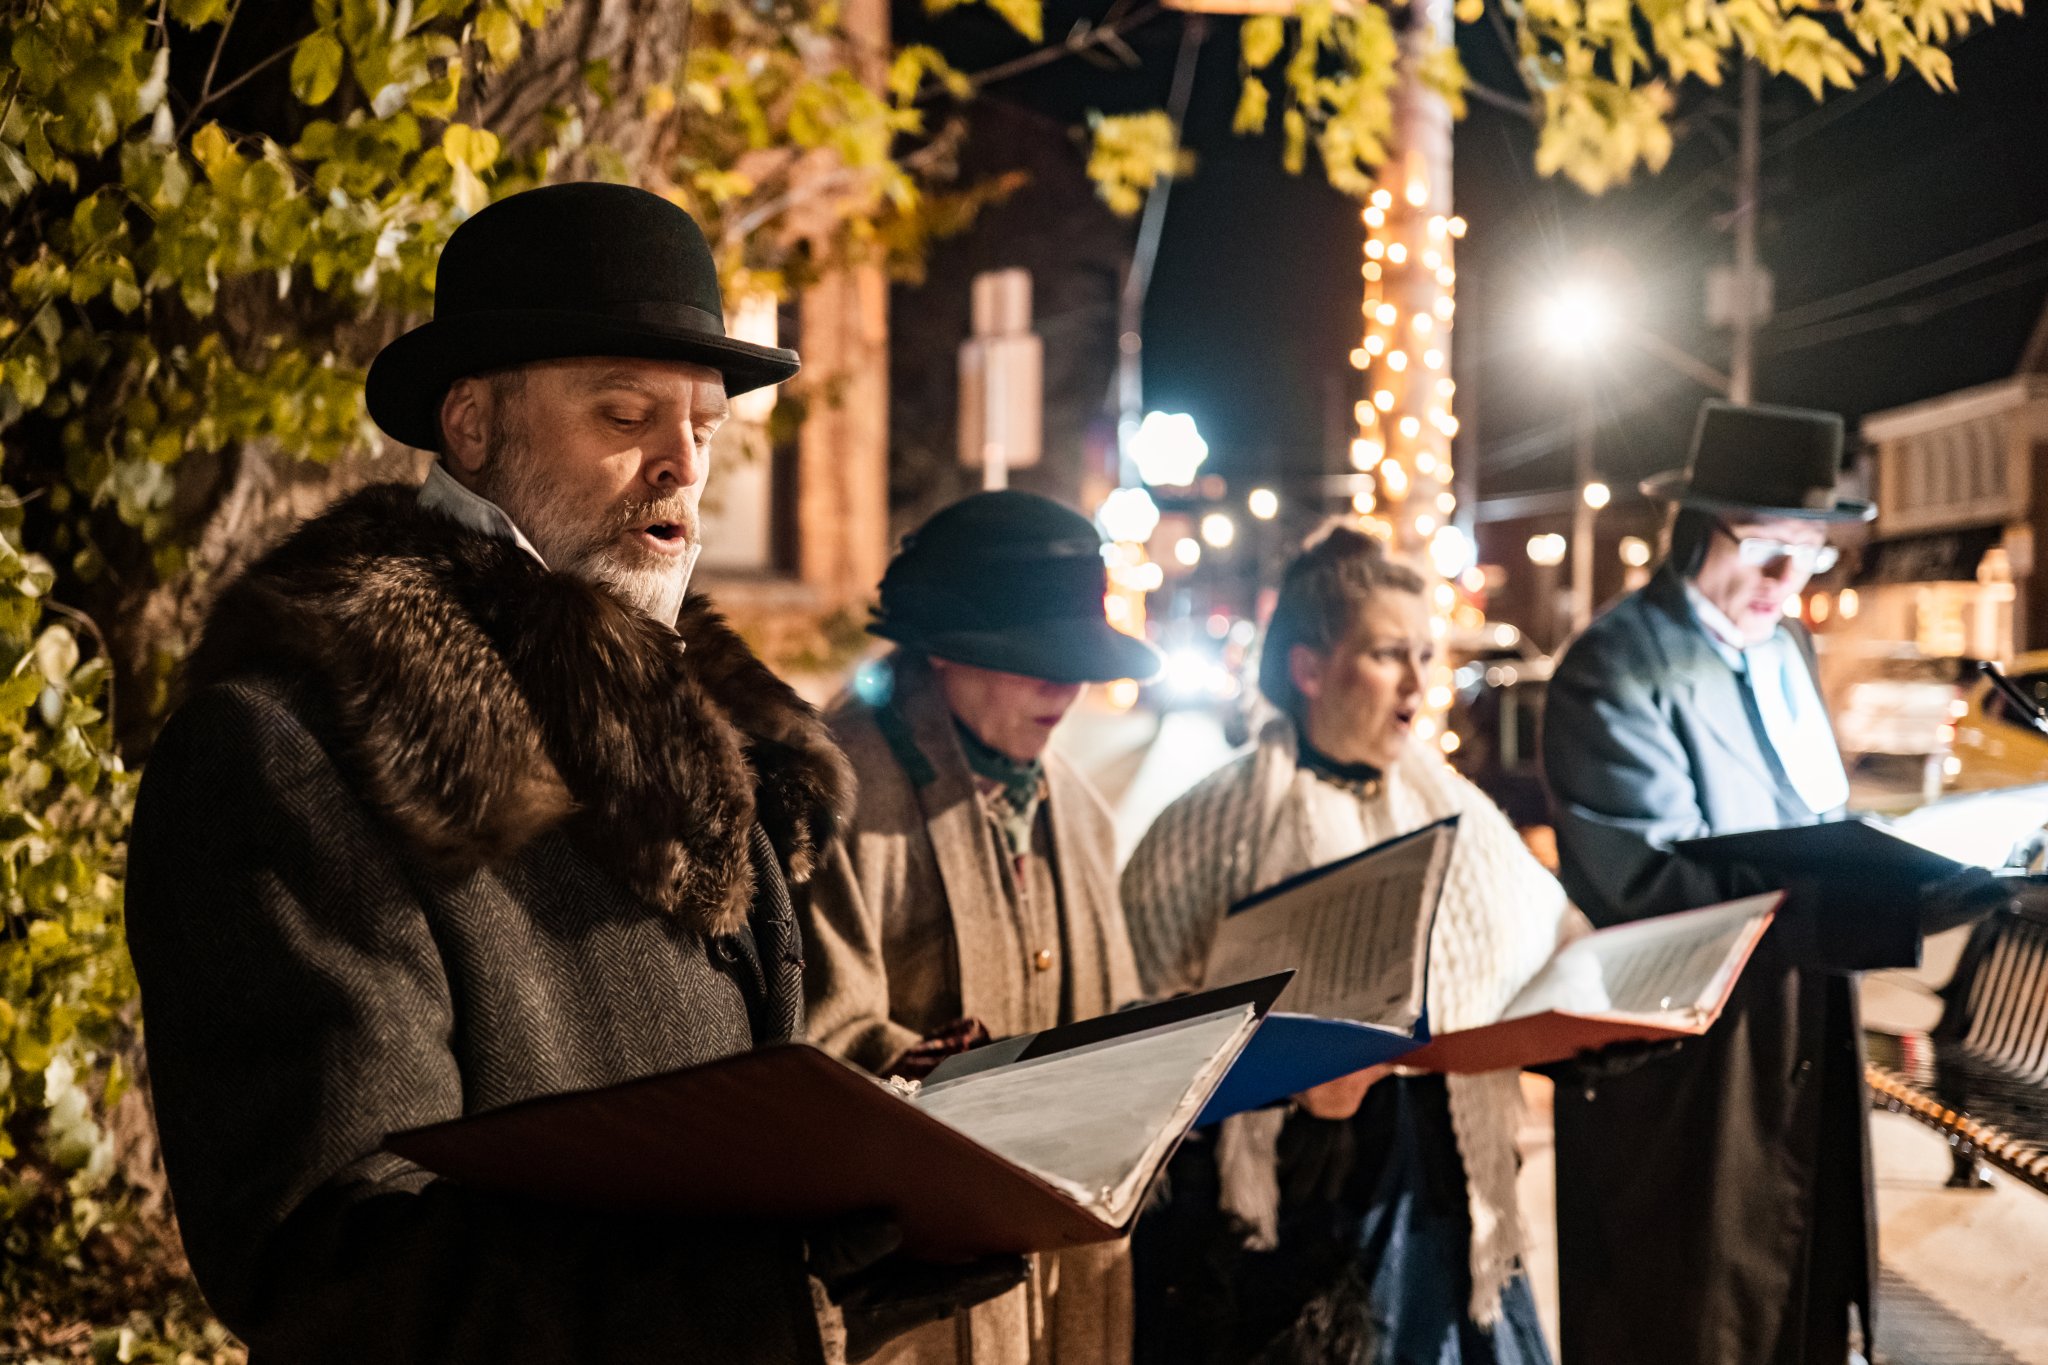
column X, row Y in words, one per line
column 1715, row 1205
column 975, row 893
column 470, row 802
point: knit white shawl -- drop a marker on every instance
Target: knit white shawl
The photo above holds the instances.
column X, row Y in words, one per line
column 1262, row 819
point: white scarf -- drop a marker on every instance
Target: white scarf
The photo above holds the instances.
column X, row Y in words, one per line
column 1500, row 918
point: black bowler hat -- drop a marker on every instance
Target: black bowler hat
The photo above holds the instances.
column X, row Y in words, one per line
column 1013, row 582
column 566, row 270
column 1782, row 462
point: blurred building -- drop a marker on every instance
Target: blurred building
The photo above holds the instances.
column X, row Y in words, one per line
column 1962, row 497
column 797, row 513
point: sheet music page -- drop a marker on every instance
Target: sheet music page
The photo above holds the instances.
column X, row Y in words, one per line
column 1673, row 965
column 1980, row 829
column 1095, row 1121
column 1358, row 936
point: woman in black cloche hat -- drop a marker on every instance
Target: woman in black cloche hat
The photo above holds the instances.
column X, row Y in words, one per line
column 975, row 893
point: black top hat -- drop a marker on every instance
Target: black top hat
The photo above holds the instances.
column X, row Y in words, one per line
column 1013, row 582
column 1779, row 461
column 566, row 270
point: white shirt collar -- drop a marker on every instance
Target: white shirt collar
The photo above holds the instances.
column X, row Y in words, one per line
column 442, row 493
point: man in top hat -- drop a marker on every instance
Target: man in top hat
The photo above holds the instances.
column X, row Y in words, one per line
column 468, row 802
column 975, row 893
column 1714, row 1206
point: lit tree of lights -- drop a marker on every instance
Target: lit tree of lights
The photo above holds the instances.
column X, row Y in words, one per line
column 1406, row 417
column 1405, row 414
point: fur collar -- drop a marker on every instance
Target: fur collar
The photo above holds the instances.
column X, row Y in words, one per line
column 477, row 699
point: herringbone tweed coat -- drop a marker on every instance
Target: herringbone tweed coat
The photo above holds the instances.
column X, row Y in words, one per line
column 437, row 831
column 907, row 928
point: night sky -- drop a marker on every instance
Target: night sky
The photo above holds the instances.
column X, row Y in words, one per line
column 1254, row 305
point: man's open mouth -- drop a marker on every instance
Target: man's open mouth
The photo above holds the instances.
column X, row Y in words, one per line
column 666, row 537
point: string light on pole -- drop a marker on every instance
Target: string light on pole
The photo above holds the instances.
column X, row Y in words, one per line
column 1405, row 422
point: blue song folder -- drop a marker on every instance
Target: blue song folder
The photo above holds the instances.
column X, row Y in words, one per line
column 1358, row 932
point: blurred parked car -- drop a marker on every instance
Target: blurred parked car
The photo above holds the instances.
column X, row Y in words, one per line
column 1498, row 716
column 1895, row 722
column 1994, row 747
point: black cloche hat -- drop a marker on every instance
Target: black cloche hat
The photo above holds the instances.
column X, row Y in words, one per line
column 581, row 269
column 1782, row 462
column 1013, row 582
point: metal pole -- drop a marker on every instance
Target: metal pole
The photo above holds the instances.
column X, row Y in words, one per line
column 1748, row 163
column 1582, row 517
column 1130, row 311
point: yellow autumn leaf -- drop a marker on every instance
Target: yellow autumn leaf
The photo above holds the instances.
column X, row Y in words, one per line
column 1251, row 107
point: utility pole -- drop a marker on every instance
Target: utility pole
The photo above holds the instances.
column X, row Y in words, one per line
column 1751, row 292
column 1130, row 310
column 1583, row 511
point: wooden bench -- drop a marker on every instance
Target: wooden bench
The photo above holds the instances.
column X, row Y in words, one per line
column 1980, row 1076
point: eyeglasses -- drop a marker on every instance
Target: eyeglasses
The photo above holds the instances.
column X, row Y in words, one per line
column 1757, row 551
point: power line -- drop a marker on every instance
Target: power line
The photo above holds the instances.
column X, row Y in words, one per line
column 1906, row 314
column 1970, row 257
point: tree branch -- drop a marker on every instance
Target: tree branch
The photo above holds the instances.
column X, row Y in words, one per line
column 220, row 43
column 1486, row 94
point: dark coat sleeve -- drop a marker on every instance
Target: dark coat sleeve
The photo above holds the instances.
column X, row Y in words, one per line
column 1623, row 792
column 297, row 1013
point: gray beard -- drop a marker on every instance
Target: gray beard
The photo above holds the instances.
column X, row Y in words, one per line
column 656, row 589
column 513, row 479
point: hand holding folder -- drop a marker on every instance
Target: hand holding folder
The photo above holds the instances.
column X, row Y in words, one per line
column 1866, row 889
column 1359, row 930
column 1027, row 1149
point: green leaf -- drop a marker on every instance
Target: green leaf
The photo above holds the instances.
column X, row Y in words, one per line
column 1251, row 107
column 17, row 694
column 1294, row 155
column 473, row 148
column 316, row 68
column 501, row 36
column 198, row 13
column 1261, row 39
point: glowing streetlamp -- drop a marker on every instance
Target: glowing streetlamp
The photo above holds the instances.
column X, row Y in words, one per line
column 1575, row 322
column 1128, row 514
column 1263, row 503
column 1578, row 318
column 1168, row 449
column 1218, row 530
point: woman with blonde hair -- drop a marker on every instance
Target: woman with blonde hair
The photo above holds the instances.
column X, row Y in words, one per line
column 1373, row 1220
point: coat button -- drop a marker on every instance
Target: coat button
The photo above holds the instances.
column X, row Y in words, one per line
column 1042, row 959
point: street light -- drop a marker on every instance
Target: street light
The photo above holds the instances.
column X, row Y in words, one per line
column 1219, row 530
column 1451, row 551
column 1263, row 503
column 1576, row 321
column 1188, row 551
column 1168, row 449
column 1129, row 514
column 1578, row 318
